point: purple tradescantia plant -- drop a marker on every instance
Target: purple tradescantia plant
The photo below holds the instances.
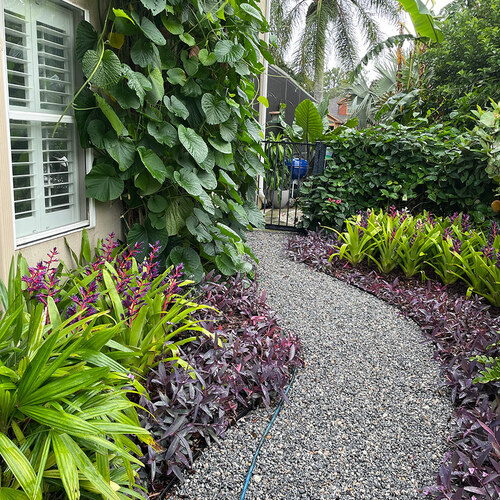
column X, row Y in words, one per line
column 253, row 364
column 460, row 328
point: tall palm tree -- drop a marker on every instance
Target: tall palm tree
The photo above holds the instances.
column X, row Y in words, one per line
column 327, row 26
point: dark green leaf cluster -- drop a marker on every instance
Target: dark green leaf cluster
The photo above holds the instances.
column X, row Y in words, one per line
column 464, row 70
column 170, row 114
column 435, row 168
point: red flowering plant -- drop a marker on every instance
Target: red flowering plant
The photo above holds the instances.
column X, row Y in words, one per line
column 151, row 316
column 334, row 209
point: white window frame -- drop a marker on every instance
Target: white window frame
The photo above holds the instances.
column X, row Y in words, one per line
column 90, row 220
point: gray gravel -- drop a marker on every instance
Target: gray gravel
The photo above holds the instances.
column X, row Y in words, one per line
column 365, row 418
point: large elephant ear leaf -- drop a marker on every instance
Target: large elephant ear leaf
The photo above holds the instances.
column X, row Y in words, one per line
column 308, row 118
column 228, row 52
column 103, row 71
column 193, row 143
column 423, row 19
column 190, row 260
column 216, row 111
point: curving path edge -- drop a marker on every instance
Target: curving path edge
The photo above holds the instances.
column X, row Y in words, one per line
column 365, row 418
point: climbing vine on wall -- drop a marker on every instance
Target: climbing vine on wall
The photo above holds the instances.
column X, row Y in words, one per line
column 169, row 108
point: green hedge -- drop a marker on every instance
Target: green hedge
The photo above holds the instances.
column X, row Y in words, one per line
column 435, row 168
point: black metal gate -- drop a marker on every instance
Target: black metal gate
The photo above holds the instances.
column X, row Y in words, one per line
column 291, row 163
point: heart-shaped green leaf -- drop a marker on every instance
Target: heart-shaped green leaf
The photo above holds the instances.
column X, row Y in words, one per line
column 193, row 143
column 215, row 111
column 206, row 58
column 227, row 51
column 102, row 183
column 104, row 72
column 153, row 163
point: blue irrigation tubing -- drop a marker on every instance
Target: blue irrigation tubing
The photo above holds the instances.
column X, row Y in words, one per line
column 263, row 438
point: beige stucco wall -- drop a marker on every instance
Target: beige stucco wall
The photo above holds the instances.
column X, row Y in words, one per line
column 107, row 215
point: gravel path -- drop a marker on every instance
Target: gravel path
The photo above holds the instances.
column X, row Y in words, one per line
column 365, row 418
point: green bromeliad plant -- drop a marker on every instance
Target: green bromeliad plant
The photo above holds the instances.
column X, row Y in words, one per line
column 415, row 244
column 168, row 107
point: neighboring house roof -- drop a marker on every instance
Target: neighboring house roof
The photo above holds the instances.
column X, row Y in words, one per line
column 333, row 108
column 334, row 121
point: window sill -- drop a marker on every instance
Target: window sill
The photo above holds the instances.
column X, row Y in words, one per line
column 35, row 239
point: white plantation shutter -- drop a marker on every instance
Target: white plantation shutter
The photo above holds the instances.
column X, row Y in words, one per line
column 47, row 166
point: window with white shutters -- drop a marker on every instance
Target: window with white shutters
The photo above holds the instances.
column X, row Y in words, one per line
column 47, row 164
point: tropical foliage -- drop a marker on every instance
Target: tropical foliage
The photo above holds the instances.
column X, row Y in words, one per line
column 169, row 113
column 326, row 26
column 462, row 72
column 416, row 244
column 435, row 168
column 79, row 349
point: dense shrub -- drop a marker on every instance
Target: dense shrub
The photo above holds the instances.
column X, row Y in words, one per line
column 460, row 329
column 170, row 115
column 434, row 168
column 463, row 71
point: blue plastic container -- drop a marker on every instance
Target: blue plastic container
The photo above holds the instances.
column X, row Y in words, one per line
column 298, row 168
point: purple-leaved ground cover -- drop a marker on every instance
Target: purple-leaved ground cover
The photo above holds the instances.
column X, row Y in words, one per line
column 190, row 403
column 460, row 328
column 253, row 365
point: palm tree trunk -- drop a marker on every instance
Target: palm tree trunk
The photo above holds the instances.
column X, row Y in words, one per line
column 319, row 80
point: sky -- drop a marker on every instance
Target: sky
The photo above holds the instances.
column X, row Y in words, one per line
column 393, row 30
